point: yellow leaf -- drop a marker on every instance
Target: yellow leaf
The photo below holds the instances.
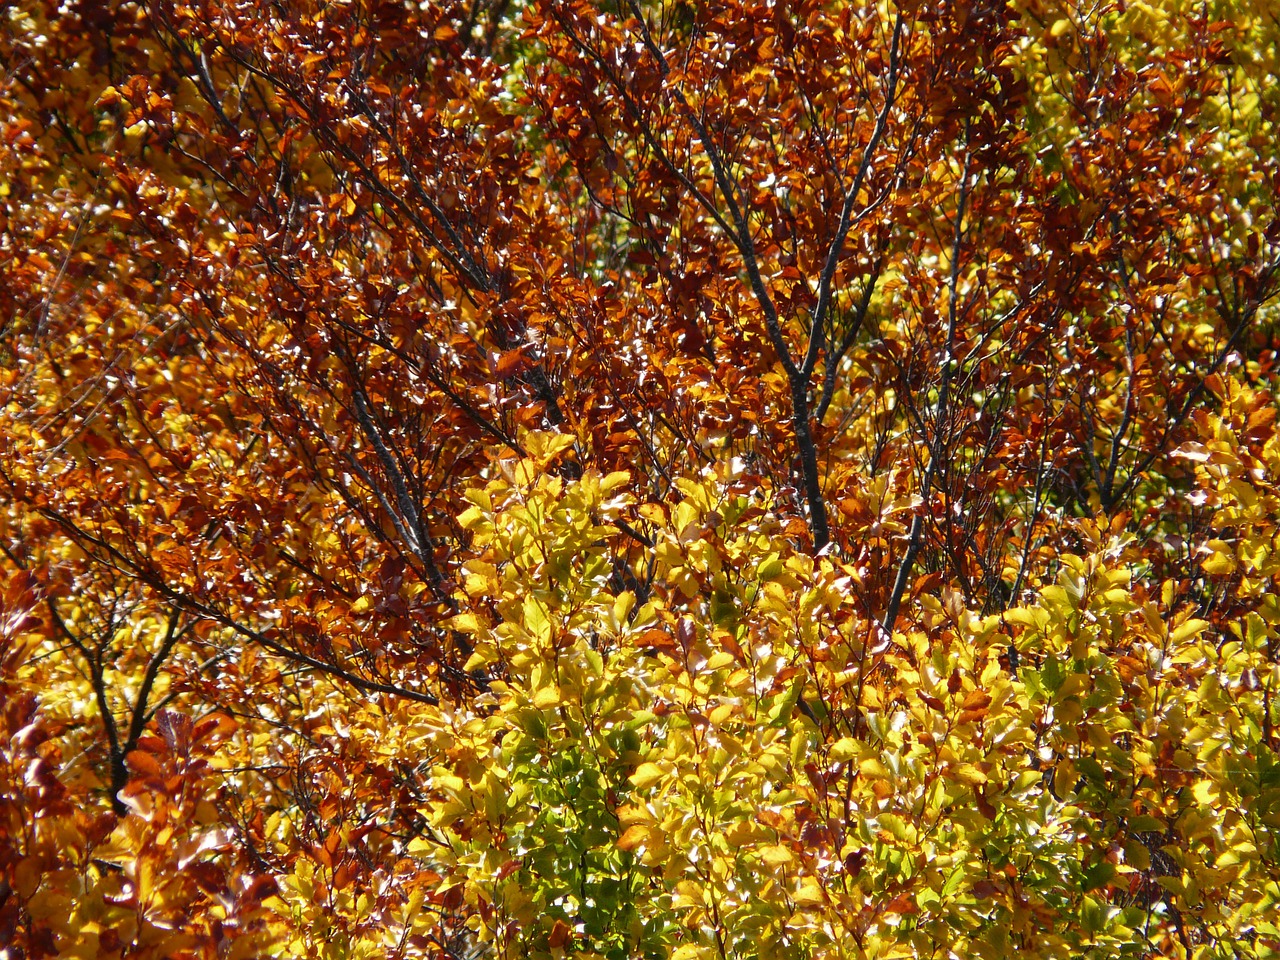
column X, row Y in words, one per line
column 547, row 697
column 770, row 568
column 633, row 836
column 720, row 659
column 1219, row 563
column 809, row 894
column 646, row 775
column 463, row 623
column 873, row 769
column 776, row 856
column 632, row 814
column 1186, row 631
column 616, row 479
column 842, row 750
column 721, row 713
column 535, row 619
column 688, row 951
column 652, row 512
column 968, row 773
column 1205, row 792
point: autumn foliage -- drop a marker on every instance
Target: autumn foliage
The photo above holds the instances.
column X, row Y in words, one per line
column 639, row 479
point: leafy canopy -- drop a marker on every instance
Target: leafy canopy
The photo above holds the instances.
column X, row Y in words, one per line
column 639, row 480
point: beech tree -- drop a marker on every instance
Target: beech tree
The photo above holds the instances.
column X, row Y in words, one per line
column 639, row 480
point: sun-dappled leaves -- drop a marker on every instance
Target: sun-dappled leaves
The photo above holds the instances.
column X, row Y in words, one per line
column 627, row 480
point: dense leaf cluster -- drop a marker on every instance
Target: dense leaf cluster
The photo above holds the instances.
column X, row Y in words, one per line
column 639, row 479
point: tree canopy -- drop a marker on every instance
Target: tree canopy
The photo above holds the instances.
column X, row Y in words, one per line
column 639, row 479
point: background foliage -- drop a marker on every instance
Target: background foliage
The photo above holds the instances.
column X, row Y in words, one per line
column 544, row 478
